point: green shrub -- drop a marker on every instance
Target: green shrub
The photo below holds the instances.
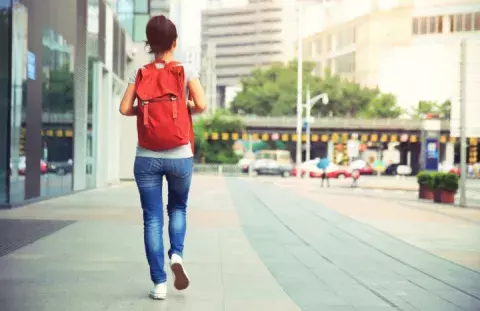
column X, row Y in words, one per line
column 427, row 179
column 438, row 179
column 422, row 178
column 449, row 182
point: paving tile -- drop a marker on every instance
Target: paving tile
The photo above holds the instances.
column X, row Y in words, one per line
column 343, row 253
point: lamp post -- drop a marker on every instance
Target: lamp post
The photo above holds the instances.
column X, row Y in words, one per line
column 308, row 107
column 298, row 158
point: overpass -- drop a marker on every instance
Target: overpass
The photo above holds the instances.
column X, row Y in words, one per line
column 284, row 128
column 372, row 133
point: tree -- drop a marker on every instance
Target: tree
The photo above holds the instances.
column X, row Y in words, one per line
column 219, row 151
column 273, row 91
column 58, row 90
column 443, row 110
column 382, row 106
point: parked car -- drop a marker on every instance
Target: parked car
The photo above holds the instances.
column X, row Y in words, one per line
column 271, row 167
column 395, row 169
column 22, row 166
column 60, row 168
column 333, row 170
column 362, row 167
column 391, row 170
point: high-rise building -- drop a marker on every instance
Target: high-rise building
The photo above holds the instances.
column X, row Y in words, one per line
column 245, row 37
column 160, row 7
column 247, row 34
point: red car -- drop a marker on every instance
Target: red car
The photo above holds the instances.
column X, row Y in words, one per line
column 333, row 171
column 22, row 167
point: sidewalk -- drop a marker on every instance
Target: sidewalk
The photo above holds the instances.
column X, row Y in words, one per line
column 97, row 262
column 448, row 231
column 251, row 245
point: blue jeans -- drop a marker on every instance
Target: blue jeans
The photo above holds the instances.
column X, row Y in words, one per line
column 149, row 173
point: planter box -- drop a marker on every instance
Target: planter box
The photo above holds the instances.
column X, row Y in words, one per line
column 428, row 194
column 437, row 196
column 448, row 197
column 425, row 193
column 421, row 192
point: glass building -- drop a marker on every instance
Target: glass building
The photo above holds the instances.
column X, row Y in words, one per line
column 61, row 83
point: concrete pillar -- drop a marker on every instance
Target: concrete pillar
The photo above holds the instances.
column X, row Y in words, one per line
column 80, row 106
column 330, row 151
column 450, row 153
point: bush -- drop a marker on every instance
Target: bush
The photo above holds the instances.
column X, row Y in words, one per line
column 422, row 178
column 449, row 182
column 438, row 180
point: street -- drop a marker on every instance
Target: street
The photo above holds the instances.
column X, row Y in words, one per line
column 252, row 244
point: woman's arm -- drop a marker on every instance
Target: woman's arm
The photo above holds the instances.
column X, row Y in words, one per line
column 126, row 105
column 196, row 90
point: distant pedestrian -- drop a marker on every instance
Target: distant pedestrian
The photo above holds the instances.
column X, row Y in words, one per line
column 165, row 148
column 323, row 165
column 355, row 177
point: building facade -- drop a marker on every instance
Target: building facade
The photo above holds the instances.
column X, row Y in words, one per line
column 382, row 42
column 247, row 36
column 411, row 48
column 63, row 71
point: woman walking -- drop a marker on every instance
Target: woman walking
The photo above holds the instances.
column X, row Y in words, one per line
column 165, row 148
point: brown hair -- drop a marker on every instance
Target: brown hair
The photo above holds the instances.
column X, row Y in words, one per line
column 161, row 34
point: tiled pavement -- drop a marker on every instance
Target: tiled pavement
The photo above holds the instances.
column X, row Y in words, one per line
column 251, row 245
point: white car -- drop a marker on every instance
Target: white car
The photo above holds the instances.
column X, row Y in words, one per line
column 404, row 170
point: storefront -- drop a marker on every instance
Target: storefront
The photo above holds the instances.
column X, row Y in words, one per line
column 62, row 70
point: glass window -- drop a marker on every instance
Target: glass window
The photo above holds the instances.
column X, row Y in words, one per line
column 459, row 20
column 415, row 26
column 140, row 22
column 440, row 24
column 432, row 23
column 5, row 35
column 141, row 6
column 58, row 102
column 22, row 62
column 423, row 25
column 468, row 22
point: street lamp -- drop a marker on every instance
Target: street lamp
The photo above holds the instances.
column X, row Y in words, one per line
column 308, row 107
column 298, row 157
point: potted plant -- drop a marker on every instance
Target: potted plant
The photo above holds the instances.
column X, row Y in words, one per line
column 438, row 179
column 425, row 182
column 449, row 187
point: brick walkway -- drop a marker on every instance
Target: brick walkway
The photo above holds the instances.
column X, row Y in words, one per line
column 251, row 245
column 97, row 263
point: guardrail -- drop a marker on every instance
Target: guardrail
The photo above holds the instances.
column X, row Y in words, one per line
column 218, row 169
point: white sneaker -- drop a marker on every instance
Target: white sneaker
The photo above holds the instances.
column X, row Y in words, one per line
column 159, row 291
column 181, row 280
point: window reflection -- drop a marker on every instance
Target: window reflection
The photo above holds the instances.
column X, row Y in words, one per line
column 18, row 129
column 57, row 125
column 4, row 99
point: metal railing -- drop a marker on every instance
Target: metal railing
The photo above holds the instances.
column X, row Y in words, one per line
column 218, row 169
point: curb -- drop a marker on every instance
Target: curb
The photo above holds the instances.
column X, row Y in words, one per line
column 393, row 188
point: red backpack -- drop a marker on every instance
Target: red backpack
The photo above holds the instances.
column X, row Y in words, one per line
column 163, row 119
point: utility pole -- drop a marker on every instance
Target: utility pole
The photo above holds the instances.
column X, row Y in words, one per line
column 463, row 119
column 299, row 89
column 307, row 120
